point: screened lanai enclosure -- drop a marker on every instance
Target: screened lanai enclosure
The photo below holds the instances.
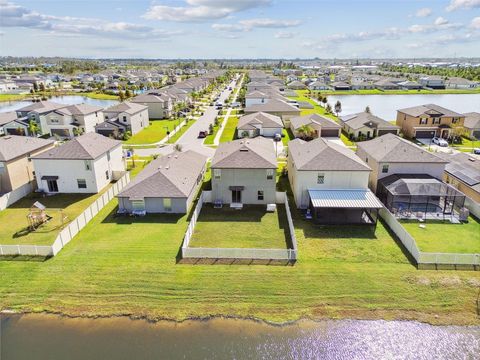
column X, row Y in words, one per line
column 420, row 197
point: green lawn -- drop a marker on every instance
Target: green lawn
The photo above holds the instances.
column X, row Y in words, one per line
column 211, row 137
column 229, row 132
column 154, row 133
column 99, row 96
column 446, row 237
column 14, row 226
column 251, row 227
column 173, row 139
column 13, row 97
column 288, row 136
column 302, row 96
column 468, row 144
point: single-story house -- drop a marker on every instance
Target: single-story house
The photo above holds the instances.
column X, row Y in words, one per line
column 460, row 83
column 244, row 172
column 410, row 85
column 390, row 154
column 296, row 85
column 259, row 123
column 318, row 85
column 16, row 169
column 275, row 107
column 432, row 82
column 321, row 126
column 169, row 184
column 6, row 118
column 471, row 125
column 386, row 84
column 340, row 85
column 85, row 164
column 331, row 182
column 366, row 125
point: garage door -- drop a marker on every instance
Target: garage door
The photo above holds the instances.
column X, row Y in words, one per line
column 383, row 132
column 424, row 134
column 476, row 134
column 60, row 132
column 18, row 131
column 329, row 133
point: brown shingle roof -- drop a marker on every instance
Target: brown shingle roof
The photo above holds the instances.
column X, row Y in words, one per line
column 173, row 176
column 429, row 109
column 247, row 122
column 7, row 117
column 299, row 121
column 321, row 154
column 392, row 148
column 257, row 153
column 13, row 146
column 86, row 147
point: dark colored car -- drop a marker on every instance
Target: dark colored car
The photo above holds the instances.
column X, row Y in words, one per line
column 202, row 134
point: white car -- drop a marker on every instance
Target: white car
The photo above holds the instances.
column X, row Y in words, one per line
column 440, row 142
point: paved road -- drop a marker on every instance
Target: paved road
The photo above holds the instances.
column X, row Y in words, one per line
column 190, row 140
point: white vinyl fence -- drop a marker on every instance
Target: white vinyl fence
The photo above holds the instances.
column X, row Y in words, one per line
column 426, row 258
column 72, row 229
column 13, row 196
column 232, row 253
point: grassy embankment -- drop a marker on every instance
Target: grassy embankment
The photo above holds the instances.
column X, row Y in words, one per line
column 397, row 92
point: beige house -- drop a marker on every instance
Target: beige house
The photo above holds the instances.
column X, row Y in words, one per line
column 244, row 172
column 16, row 169
column 321, row 126
column 427, row 121
column 260, row 123
column 390, row 154
column 126, row 116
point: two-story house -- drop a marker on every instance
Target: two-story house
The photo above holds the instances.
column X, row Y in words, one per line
column 160, row 106
column 85, row 164
column 16, row 169
column 126, row 116
column 331, row 182
column 427, row 121
column 244, row 172
column 38, row 112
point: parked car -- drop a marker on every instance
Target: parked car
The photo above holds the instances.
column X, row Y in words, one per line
column 476, row 151
column 202, row 134
column 277, row 137
column 439, row 141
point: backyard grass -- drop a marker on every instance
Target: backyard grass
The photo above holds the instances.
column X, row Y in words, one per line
column 13, row 97
column 317, row 109
column 445, row 237
column 251, row 227
column 154, row 133
column 99, row 96
column 468, row 144
column 229, row 132
column 14, row 224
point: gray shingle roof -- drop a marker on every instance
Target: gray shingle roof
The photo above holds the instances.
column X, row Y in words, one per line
column 42, row 107
column 7, row 117
column 247, row 122
column 171, row 176
column 428, row 109
column 257, row 153
column 326, row 123
column 359, row 120
column 392, row 148
column 321, row 154
column 274, row 105
column 472, row 120
column 86, row 147
column 127, row 107
column 80, row 109
column 13, row 146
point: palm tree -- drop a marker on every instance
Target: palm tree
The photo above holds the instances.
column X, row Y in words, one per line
column 305, row 131
column 338, row 107
column 33, row 127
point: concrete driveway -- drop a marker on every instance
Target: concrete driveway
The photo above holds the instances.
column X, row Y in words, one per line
column 435, row 148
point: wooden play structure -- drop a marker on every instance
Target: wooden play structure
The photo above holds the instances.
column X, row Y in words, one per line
column 37, row 215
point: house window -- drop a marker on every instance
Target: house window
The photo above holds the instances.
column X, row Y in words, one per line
column 107, row 176
column 454, row 120
column 366, row 160
column 87, row 165
column 81, row 183
column 423, row 121
column 269, row 174
column 138, row 205
column 96, row 114
column 436, row 120
column 320, row 179
column 260, row 195
column 124, row 119
column 217, row 173
column 385, row 168
column 167, row 204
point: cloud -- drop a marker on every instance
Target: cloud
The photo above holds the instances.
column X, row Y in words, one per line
column 463, row 4
column 475, row 24
column 201, row 10
column 439, row 24
column 423, row 12
column 248, row 25
column 440, row 21
column 14, row 15
column 285, row 35
column 457, row 38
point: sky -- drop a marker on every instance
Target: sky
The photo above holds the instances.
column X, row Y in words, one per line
column 233, row 29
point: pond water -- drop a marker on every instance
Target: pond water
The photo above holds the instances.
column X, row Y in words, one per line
column 386, row 106
column 67, row 99
column 51, row 337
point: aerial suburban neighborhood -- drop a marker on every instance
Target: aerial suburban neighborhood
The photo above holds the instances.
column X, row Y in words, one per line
column 160, row 191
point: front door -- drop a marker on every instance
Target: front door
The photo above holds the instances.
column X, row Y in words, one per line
column 236, row 196
column 52, row 185
column 445, row 134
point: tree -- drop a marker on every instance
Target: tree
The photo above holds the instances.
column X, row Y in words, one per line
column 328, row 109
column 305, row 131
column 324, row 101
column 77, row 131
column 35, row 87
column 42, row 87
column 210, row 129
column 33, row 127
column 338, row 107
column 121, row 95
column 367, row 110
column 128, row 94
column 178, row 147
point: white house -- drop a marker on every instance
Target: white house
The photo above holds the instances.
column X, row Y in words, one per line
column 259, row 123
column 332, row 182
column 160, row 106
column 133, row 116
column 7, row 85
column 85, row 164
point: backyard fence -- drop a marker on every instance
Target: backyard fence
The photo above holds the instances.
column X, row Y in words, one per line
column 426, row 258
column 72, row 229
column 473, row 207
column 235, row 253
column 13, row 196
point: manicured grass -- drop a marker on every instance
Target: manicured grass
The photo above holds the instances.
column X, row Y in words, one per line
column 397, row 92
column 99, row 96
column 302, row 96
column 14, row 228
column 173, row 139
column 127, row 266
column 211, row 137
column 288, row 136
column 468, row 144
column 154, row 133
column 13, row 97
column 445, row 237
column 229, row 132
column 251, row 227
column 346, row 140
